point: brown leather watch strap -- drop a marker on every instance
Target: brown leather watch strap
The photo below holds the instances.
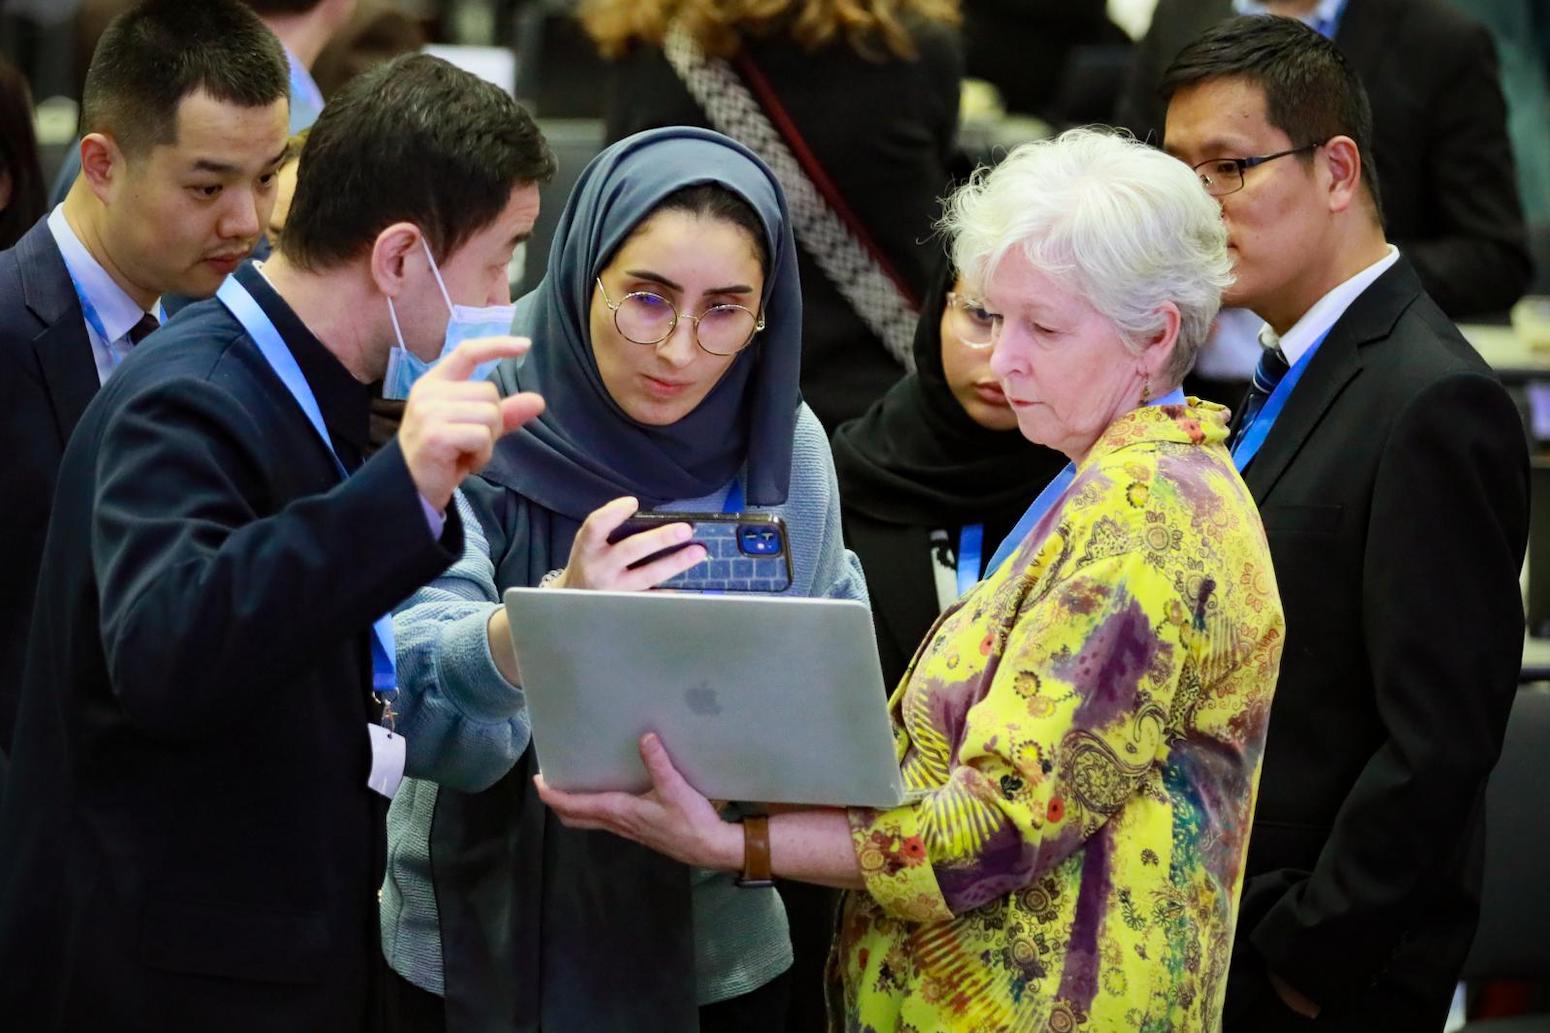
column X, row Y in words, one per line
column 756, row 852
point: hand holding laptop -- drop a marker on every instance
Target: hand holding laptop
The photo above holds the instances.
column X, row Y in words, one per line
column 672, row 817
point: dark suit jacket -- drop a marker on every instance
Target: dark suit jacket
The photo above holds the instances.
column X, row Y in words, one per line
column 1445, row 168
column 1394, row 491
column 189, row 841
column 47, row 375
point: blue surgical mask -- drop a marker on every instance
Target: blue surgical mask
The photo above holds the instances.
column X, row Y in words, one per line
column 467, row 322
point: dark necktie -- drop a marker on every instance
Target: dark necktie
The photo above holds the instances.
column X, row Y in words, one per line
column 139, row 330
column 1272, row 367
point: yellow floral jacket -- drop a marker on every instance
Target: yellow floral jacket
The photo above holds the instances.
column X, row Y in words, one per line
column 1081, row 736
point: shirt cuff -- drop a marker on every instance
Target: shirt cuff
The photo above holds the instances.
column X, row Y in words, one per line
column 468, row 675
column 435, row 519
column 894, row 865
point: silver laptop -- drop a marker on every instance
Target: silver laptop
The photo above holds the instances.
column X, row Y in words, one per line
column 775, row 700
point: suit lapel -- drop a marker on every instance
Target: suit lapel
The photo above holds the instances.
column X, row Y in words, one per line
column 63, row 347
column 1371, row 317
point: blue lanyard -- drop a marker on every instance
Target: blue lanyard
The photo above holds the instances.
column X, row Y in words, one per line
column 1050, row 495
column 971, row 545
column 94, row 319
column 734, row 502
column 240, row 303
column 1252, row 437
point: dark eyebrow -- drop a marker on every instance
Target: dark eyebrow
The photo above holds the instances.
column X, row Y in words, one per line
column 221, row 168
column 521, row 238
column 644, row 274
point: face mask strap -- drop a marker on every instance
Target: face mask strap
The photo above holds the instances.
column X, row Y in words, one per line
column 437, row 273
column 393, row 315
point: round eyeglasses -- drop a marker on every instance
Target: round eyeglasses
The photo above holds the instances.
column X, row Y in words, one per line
column 971, row 323
column 643, row 317
column 1223, row 176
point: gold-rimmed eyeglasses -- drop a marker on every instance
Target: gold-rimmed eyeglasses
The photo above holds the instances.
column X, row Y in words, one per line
column 972, row 324
column 645, row 317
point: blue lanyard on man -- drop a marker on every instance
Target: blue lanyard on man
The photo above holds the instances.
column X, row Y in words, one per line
column 1050, row 495
column 241, row 304
column 1252, row 435
column 94, row 318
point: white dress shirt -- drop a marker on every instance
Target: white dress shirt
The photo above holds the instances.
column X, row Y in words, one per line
column 1326, row 312
column 116, row 311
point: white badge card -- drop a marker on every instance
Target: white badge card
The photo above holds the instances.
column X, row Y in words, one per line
column 387, row 760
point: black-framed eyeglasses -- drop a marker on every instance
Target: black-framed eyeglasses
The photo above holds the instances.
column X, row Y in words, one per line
column 645, row 317
column 1223, row 176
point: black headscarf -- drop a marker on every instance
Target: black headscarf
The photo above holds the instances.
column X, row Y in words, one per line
column 917, row 458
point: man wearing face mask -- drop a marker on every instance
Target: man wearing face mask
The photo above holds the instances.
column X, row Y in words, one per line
column 206, row 738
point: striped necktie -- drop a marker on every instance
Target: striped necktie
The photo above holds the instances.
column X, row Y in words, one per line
column 1267, row 374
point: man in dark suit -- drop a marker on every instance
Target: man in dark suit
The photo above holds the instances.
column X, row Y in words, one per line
column 178, row 181
column 1444, row 162
column 194, row 831
column 1391, row 470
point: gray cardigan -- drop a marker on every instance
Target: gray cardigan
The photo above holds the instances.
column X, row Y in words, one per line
column 466, row 726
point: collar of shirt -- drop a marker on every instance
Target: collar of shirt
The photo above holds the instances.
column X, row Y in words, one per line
column 1326, row 312
column 1325, row 18
column 117, row 310
column 345, row 401
column 306, row 98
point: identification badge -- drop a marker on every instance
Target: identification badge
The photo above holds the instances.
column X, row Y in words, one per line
column 387, row 760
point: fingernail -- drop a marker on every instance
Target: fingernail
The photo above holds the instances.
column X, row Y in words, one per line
column 683, row 533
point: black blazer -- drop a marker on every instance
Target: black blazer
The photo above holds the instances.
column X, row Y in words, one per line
column 1394, row 491
column 1445, row 167
column 47, row 375
column 188, row 838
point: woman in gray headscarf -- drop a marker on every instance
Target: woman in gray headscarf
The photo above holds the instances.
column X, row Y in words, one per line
column 517, row 922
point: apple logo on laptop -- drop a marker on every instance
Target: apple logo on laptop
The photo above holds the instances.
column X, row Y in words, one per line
column 702, row 700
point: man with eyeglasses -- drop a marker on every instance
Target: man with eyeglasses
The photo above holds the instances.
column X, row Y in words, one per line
column 1390, row 468
column 1444, row 161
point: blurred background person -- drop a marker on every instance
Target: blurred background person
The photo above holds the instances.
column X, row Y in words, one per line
column 378, row 31
column 865, row 94
column 22, row 197
column 935, row 475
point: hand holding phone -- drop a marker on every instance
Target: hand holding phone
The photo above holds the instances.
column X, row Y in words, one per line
column 743, row 552
column 601, row 558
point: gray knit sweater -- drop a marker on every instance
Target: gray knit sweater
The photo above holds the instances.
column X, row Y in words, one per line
column 466, row 726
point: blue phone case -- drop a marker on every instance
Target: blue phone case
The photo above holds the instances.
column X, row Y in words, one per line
column 746, row 552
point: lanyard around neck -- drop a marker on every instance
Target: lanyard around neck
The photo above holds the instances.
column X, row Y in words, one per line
column 1252, row 437
column 272, row 347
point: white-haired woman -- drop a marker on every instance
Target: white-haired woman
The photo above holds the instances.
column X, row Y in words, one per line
column 1083, row 731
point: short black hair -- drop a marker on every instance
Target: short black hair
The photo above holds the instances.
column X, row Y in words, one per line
column 160, row 51
column 414, row 140
column 1311, row 92
column 714, row 201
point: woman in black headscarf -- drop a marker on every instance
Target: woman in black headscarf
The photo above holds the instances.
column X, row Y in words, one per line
column 495, row 917
column 934, row 476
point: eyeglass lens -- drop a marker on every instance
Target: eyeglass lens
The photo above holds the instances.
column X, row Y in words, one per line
column 647, row 318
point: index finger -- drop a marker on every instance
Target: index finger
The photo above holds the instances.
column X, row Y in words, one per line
column 466, row 357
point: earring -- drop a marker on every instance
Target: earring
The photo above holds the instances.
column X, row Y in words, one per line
column 1146, row 391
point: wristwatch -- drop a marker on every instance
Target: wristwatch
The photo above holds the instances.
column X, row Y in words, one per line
column 756, row 853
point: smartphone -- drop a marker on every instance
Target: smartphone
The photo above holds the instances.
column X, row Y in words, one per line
column 745, row 552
